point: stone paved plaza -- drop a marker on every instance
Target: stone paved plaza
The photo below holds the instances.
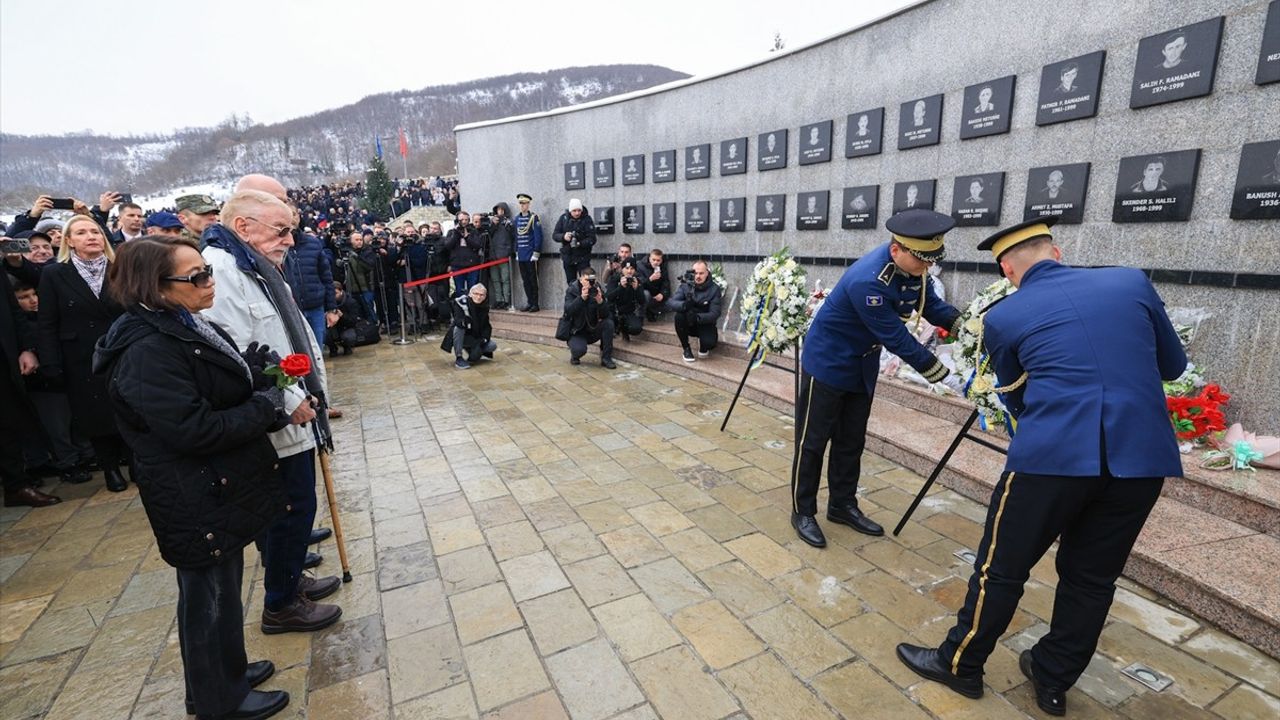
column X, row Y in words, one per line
column 534, row 540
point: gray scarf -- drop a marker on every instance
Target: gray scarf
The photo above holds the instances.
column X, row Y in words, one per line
column 211, row 336
column 286, row 308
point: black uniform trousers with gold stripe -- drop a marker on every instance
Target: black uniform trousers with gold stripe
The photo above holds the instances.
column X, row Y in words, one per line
column 826, row 414
column 1098, row 520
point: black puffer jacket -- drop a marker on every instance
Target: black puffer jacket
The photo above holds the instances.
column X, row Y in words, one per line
column 208, row 473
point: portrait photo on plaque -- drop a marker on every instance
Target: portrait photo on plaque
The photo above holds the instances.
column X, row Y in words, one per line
column 575, row 176
column 633, row 220
column 1069, row 89
column 1269, row 55
column 1158, row 187
column 863, row 132
column 664, row 217
column 913, row 194
column 664, row 166
column 697, row 161
column 771, row 150
column 815, row 143
column 859, row 206
column 771, row 212
column 603, row 218
column 733, row 156
column 1057, row 190
column 987, row 107
column 976, row 199
column 697, row 216
column 920, row 122
column 602, row 176
column 812, row 209
column 633, row 170
column 733, row 214
column 1257, row 193
column 1176, row 64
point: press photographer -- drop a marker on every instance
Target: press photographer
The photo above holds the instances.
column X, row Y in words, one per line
column 696, row 305
column 657, row 286
column 502, row 245
column 586, row 319
column 357, row 262
column 626, row 296
column 466, row 248
column 614, row 264
column 576, row 234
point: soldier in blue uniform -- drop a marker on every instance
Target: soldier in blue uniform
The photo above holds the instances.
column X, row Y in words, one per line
column 528, row 248
column 841, row 358
column 1079, row 355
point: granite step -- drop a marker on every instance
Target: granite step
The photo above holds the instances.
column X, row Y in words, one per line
column 1202, row 523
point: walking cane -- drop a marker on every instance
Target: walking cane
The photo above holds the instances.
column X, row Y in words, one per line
column 333, row 514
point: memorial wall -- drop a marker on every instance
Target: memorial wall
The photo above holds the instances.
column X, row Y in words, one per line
column 1152, row 129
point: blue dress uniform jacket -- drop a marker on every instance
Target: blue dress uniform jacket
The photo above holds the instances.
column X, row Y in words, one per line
column 865, row 310
column 528, row 236
column 1095, row 344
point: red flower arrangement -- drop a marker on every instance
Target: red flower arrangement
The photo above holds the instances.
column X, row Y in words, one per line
column 1196, row 417
column 289, row 369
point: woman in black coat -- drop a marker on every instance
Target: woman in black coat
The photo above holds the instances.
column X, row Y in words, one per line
column 196, row 413
column 76, row 310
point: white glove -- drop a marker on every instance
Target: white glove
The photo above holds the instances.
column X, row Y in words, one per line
column 953, row 382
column 534, row 257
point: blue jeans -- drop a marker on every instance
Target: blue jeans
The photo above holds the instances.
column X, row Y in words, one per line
column 315, row 318
column 366, row 305
column 462, row 283
column 284, row 545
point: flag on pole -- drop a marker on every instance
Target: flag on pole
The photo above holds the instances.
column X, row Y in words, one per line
column 377, row 141
column 404, row 144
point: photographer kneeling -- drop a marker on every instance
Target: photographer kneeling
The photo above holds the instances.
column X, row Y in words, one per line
column 696, row 305
column 470, row 330
column 586, row 319
column 625, row 294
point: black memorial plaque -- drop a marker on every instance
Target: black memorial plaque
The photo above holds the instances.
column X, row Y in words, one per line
column 815, row 143
column 811, row 210
column 771, row 212
column 1069, row 89
column 1057, row 190
column 733, row 156
column 697, row 161
column 1158, row 187
column 976, row 199
column 603, row 219
column 697, row 216
column 920, row 122
column 602, row 176
column 575, row 176
column 664, row 166
column 633, row 220
column 1176, row 64
column 664, row 217
column 863, row 132
column 633, row 170
column 771, row 150
column 1257, row 193
column 1269, row 55
column 858, row 208
column 987, row 107
column 913, row 194
column 733, row 214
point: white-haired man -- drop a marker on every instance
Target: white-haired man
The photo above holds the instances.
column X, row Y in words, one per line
column 247, row 251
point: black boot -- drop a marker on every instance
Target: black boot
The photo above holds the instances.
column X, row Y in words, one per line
column 115, row 479
column 257, row 705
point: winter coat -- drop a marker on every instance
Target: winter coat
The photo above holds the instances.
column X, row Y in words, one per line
column 207, row 472
column 307, row 269
column 71, row 320
column 584, row 315
column 502, row 236
column 474, row 321
column 661, row 286
column 702, row 302
column 584, row 232
column 466, row 247
column 245, row 309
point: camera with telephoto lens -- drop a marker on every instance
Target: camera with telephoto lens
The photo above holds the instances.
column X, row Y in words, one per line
column 573, row 239
column 688, row 278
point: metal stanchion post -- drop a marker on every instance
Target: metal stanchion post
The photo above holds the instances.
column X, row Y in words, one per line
column 403, row 320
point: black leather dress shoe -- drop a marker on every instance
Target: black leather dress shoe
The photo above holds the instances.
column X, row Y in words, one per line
column 312, row 560
column 115, row 479
column 808, row 530
column 1049, row 699
column 256, row 706
column 850, row 515
column 926, row 663
column 318, row 535
column 257, row 673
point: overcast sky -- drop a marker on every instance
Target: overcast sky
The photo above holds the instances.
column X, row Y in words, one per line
column 132, row 67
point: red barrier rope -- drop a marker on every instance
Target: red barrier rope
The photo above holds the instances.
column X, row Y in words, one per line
column 463, row 271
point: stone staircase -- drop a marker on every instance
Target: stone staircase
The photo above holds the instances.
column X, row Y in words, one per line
column 425, row 213
column 1211, row 545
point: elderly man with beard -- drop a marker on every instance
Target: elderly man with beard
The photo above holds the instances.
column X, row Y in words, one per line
column 247, row 252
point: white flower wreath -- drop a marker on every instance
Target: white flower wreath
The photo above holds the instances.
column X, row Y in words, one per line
column 775, row 301
column 980, row 386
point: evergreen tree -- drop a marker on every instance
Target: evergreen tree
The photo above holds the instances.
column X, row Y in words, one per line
column 378, row 190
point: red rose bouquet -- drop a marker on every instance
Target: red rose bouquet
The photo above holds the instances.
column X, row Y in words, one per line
column 289, row 369
column 1196, row 417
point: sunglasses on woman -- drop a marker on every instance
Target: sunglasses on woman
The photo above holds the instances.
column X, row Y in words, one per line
column 202, row 279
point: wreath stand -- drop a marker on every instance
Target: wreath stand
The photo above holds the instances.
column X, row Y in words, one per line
column 751, row 363
column 937, row 469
